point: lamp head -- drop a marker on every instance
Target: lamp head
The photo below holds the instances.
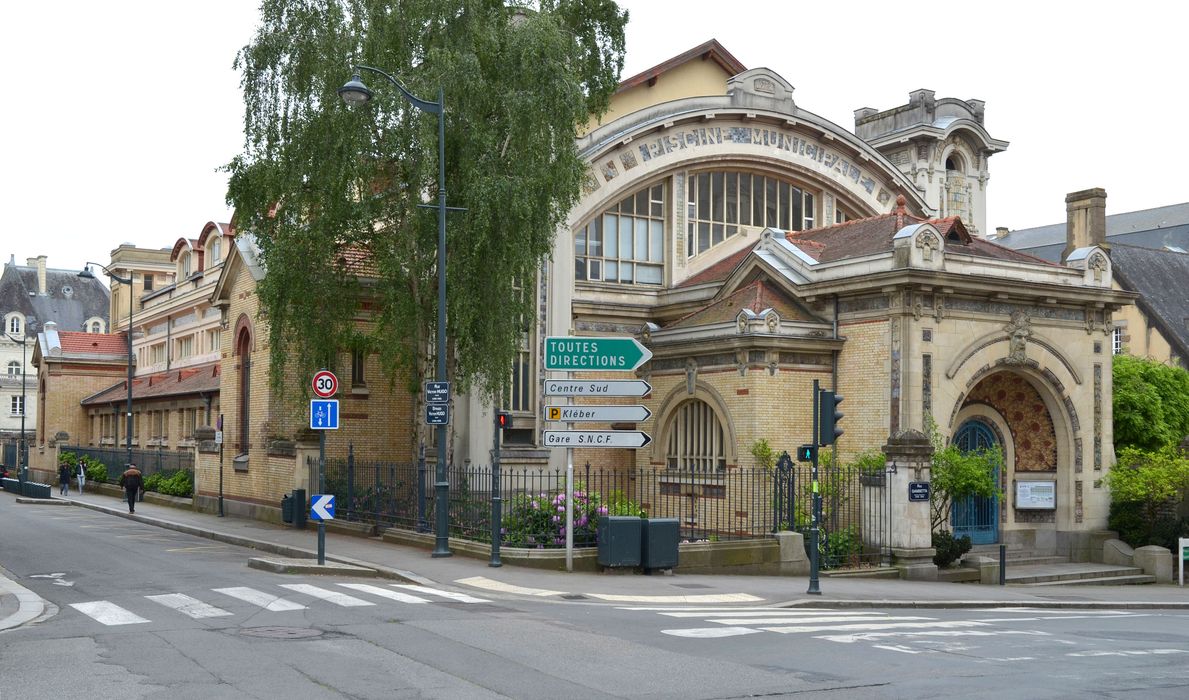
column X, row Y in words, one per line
column 355, row 92
column 86, row 273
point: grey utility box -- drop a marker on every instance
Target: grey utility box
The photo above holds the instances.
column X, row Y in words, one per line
column 659, row 548
column 619, row 540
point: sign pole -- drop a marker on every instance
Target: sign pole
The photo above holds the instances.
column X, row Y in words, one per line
column 814, row 533
column 321, row 489
column 220, row 465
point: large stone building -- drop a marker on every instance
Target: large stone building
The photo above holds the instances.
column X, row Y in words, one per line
column 755, row 248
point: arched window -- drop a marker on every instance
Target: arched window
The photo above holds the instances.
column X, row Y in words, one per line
column 626, row 243
column 14, row 369
column 184, row 267
column 96, row 327
column 695, row 439
column 15, row 325
column 243, row 348
column 215, row 249
column 719, row 202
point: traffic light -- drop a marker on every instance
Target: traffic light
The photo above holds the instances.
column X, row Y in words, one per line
column 828, row 417
column 806, row 453
column 503, row 420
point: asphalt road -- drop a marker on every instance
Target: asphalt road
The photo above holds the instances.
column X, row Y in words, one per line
column 141, row 612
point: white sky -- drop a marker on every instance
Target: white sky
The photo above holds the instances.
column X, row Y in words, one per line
column 137, row 105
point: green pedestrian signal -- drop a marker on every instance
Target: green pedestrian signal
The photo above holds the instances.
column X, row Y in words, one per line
column 828, row 417
column 806, row 453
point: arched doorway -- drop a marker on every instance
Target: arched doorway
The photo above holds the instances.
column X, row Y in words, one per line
column 976, row 516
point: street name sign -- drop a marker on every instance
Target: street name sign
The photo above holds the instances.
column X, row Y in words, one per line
column 597, row 387
column 322, row 506
column 575, row 354
column 325, row 384
column 919, row 490
column 324, row 414
column 606, row 414
column 595, row 438
column 437, row 414
column 437, row 392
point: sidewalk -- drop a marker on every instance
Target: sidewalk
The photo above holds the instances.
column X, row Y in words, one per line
column 475, row 576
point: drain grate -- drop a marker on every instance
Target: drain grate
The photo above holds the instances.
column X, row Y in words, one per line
column 573, row 596
column 281, row 632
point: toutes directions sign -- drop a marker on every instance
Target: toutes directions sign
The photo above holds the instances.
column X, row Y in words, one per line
column 575, row 354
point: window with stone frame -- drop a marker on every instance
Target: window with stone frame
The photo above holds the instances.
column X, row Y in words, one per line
column 14, row 325
column 625, row 244
column 1116, row 340
column 719, row 202
column 358, row 363
column 14, row 369
column 96, row 327
column 148, row 282
column 696, row 439
column 17, row 406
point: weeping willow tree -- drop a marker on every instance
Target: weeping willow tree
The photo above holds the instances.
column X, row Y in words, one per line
column 331, row 192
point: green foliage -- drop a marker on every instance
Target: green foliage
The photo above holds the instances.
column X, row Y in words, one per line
column 1151, row 403
column 323, row 185
column 948, row 548
column 1137, row 528
column 540, row 521
column 956, row 475
column 764, row 454
column 841, row 548
column 179, row 483
column 96, row 471
column 1145, row 489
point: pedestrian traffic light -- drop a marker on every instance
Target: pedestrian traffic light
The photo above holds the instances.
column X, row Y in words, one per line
column 828, row 417
column 806, row 453
column 503, row 419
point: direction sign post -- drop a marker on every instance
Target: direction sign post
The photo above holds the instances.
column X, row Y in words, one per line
column 595, row 438
column 575, row 354
column 599, row 414
column 597, row 387
column 324, row 415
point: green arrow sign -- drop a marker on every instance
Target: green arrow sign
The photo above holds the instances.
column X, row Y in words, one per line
column 573, row 354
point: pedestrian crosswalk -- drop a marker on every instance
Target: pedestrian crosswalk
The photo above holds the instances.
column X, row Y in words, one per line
column 108, row 613
column 906, row 633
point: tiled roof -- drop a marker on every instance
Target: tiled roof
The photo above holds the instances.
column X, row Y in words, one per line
column 94, row 343
column 1162, row 279
column 711, row 50
column 177, row 382
column 756, row 296
column 718, row 271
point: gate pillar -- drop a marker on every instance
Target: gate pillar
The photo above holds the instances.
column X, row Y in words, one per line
column 909, row 457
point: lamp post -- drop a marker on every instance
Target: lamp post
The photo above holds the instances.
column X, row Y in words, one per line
column 23, row 448
column 356, row 93
column 86, row 274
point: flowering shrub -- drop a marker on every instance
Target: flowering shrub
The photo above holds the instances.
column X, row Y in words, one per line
column 540, row 521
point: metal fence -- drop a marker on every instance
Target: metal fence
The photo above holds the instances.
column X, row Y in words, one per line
column 8, row 453
column 732, row 504
column 149, row 462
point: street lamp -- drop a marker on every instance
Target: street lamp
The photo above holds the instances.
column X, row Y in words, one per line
column 356, row 93
column 23, row 448
column 86, row 274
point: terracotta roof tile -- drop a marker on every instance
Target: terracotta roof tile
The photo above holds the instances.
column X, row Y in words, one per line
column 718, row 271
column 187, row 380
column 94, row 343
column 756, row 296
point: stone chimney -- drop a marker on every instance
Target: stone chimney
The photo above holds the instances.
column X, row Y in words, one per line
column 1085, row 220
column 1000, row 232
column 39, row 263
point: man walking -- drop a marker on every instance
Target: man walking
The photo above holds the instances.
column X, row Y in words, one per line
column 131, row 480
column 63, row 479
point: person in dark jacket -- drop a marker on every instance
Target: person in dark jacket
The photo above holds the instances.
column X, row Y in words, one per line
column 132, row 481
column 64, row 477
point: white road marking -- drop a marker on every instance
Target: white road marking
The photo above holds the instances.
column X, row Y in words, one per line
column 346, row 601
column 755, row 612
column 267, row 601
column 384, row 592
column 872, row 627
column 1065, row 617
column 188, row 606
column 1129, row 652
column 108, row 613
column 811, row 620
column 710, row 632
column 493, row 585
column 196, row 548
column 893, row 647
column 712, row 598
column 460, row 597
column 871, row 636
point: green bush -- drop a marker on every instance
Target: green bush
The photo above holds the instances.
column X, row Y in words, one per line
column 96, row 471
column 540, row 521
column 180, row 483
column 841, row 548
column 1130, row 519
column 949, row 549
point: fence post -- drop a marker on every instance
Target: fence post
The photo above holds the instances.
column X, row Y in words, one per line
column 350, row 481
column 422, row 525
column 496, row 502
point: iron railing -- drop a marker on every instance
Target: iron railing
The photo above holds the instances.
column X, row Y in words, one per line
column 731, row 504
column 148, row 461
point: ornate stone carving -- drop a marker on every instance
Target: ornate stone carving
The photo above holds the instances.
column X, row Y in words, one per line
column 773, row 321
column 938, row 308
column 1018, row 332
column 741, row 362
column 765, row 85
column 691, row 375
column 1097, row 263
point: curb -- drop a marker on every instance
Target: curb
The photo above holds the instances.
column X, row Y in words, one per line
column 30, row 605
column 960, row 604
column 308, row 566
column 261, row 545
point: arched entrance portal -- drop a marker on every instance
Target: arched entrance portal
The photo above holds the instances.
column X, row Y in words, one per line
column 976, row 516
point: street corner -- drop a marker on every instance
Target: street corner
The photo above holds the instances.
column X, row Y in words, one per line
column 18, row 605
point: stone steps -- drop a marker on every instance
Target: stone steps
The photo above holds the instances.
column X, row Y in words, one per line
column 1083, row 574
column 1130, row 580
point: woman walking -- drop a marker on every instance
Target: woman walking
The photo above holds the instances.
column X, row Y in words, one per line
column 63, row 480
column 82, row 476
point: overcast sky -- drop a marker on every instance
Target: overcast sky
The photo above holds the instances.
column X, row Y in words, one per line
column 118, row 115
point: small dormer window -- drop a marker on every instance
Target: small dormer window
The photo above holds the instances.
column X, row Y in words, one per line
column 184, row 268
column 148, row 282
column 96, row 327
column 15, row 326
column 215, row 251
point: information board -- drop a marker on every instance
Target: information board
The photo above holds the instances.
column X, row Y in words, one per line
column 1036, row 495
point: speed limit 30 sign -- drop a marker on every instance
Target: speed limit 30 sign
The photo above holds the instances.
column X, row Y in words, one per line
column 326, row 384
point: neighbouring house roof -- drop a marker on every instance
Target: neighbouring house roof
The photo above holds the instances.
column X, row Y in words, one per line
column 69, row 300
column 73, row 343
column 200, row 379
column 708, row 51
column 1146, row 228
column 1162, row 279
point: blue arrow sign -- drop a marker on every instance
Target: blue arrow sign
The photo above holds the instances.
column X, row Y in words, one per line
column 322, row 506
column 324, row 414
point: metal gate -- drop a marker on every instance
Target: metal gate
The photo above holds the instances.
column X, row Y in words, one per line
column 977, row 516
